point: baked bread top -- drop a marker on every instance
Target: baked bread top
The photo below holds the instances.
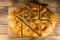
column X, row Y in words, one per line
column 33, row 20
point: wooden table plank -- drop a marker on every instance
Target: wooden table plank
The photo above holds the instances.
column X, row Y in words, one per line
column 53, row 3
column 3, row 29
column 51, row 38
column 5, row 3
column 3, row 37
column 29, row 38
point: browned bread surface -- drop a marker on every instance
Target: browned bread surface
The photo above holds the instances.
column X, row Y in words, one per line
column 40, row 20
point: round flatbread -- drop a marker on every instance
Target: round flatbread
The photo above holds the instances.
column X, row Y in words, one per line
column 31, row 20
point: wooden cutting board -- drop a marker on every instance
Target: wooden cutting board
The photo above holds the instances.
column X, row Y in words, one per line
column 52, row 5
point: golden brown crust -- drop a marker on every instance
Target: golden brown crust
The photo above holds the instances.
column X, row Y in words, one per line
column 39, row 18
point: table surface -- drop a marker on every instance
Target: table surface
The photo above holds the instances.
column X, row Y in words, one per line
column 52, row 5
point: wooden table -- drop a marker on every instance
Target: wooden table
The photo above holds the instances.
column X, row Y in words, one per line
column 54, row 6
